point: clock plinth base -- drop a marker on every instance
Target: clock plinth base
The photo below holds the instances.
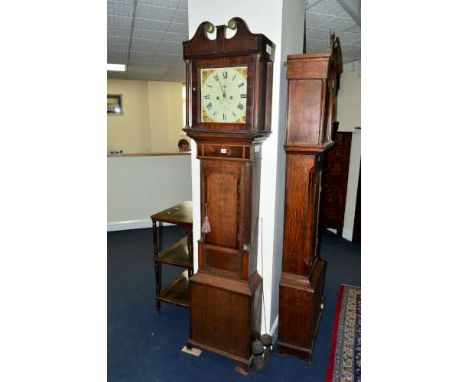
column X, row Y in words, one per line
column 226, row 317
column 300, row 308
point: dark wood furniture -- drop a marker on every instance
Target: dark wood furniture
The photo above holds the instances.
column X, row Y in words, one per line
column 312, row 85
column 225, row 293
column 335, row 180
column 357, row 213
column 179, row 254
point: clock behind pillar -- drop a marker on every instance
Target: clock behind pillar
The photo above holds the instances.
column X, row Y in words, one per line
column 226, row 292
column 312, row 86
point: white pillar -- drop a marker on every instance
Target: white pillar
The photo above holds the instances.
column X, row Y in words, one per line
column 282, row 21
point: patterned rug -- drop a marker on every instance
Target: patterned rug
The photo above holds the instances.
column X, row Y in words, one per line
column 344, row 364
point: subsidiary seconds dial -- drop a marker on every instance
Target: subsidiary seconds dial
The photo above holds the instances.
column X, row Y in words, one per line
column 223, row 94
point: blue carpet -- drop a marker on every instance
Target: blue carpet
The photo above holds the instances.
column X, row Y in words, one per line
column 145, row 346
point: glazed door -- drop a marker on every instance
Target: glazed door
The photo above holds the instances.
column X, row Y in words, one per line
column 222, row 203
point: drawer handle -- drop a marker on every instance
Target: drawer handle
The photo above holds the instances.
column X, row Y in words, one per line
column 223, row 151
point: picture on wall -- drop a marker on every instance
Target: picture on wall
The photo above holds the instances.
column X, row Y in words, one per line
column 114, row 104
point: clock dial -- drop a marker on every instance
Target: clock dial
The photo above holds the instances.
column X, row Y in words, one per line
column 223, row 95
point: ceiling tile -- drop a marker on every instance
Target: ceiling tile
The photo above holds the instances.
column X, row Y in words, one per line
column 175, row 37
column 146, row 34
column 116, row 57
column 157, row 69
column 118, row 32
column 120, row 9
column 170, row 47
column 327, row 7
column 117, row 75
column 151, row 25
column 154, row 77
column 119, row 21
column 143, row 45
column 317, row 46
column 338, row 24
column 140, row 57
column 143, row 49
column 178, row 27
column 318, row 34
column 161, row 58
column 154, row 13
column 160, row 3
column 120, row 2
column 183, row 4
column 315, row 19
column 354, row 29
column 181, row 16
column 348, row 38
column 118, row 40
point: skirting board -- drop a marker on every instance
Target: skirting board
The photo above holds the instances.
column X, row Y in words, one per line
column 131, row 224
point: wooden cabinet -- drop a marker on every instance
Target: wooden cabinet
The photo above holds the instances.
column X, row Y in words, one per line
column 312, row 84
column 335, row 181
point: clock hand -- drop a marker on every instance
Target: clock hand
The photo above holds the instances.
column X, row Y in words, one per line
column 221, row 87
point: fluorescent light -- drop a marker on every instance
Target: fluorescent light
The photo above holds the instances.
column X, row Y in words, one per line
column 116, row 67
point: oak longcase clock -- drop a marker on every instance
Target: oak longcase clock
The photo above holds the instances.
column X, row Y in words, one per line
column 228, row 115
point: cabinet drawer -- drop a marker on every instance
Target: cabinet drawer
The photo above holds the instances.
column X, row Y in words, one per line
column 227, row 151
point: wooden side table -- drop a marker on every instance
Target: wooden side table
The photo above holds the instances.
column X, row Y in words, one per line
column 179, row 254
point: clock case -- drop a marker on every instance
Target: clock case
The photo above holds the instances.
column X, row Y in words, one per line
column 313, row 82
column 226, row 292
column 243, row 49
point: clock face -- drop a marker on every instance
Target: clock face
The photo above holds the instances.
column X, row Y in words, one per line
column 223, row 94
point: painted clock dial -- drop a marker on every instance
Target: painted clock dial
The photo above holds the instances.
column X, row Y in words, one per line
column 223, row 94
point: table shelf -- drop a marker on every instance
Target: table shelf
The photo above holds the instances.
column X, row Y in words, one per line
column 177, row 254
column 177, row 292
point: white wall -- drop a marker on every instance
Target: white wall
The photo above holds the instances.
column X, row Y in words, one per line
column 349, row 116
column 282, row 21
column 137, row 187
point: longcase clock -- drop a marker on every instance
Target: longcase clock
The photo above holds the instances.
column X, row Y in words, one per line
column 228, row 114
column 313, row 81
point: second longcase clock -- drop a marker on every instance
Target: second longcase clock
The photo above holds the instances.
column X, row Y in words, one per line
column 228, row 115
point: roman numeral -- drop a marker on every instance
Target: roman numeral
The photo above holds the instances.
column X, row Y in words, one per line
column 242, row 84
column 225, row 75
column 240, row 106
column 234, row 114
column 243, row 95
column 234, row 76
column 207, row 96
column 224, row 117
column 209, row 106
column 209, row 86
column 216, row 77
